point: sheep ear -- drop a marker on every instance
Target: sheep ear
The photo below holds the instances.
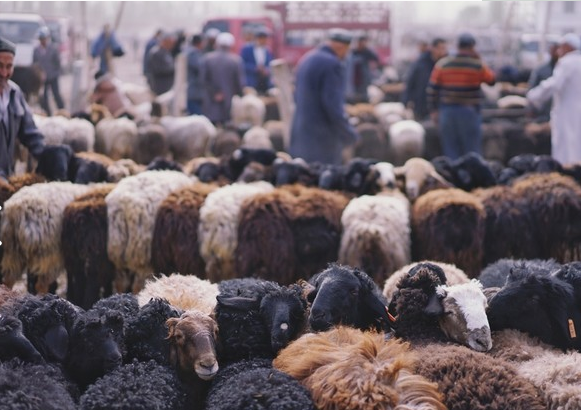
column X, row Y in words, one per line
column 171, row 326
column 434, row 306
column 238, row 302
column 375, row 305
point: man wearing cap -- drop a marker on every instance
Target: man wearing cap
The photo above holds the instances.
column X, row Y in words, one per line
column 15, row 116
column 161, row 65
column 46, row 56
column 320, row 129
column 257, row 57
column 454, row 98
column 223, row 78
column 211, row 35
column 564, row 86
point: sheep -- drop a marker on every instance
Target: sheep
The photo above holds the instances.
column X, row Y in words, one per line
column 116, row 137
column 419, row 176
column 124, row 303
column 346, row 368
column 276, row 132
column 131, row 210
column 448, row 225
column 260, row 388
column 151, row 142
column 389, row 113
column 31, row 230
column 257, row 318
column 247, row 110
column 289, row 233
column 373, row 142
column 90, row 273
column 244, row 156
column 376, row 234
column 454, row 276
column 218, row 227
column 341, row 294
column 226, row 142
column 175, row 246
column 80, row 135
column 516, row 347
column 188, row 137
column 163, row 164
column 496, row 274
column 13, row 343
column 257, row 137
column 54, row 129
column 183, row 292
column 123, row 168
column 406, row 140
column 59, row 163
column 136, row 386
column 468, row 172
column 33, row 386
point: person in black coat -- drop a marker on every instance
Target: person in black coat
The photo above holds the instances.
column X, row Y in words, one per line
column 320, row 129
column 414, row 96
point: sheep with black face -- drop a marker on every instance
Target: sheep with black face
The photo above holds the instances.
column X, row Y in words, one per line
column 13, row 343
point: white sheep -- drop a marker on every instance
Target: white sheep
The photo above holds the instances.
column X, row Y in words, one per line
column 116, row 137
column 54, row 128
column 388, row 113
column 248, row 109
column 406, row 140
column 218, row 227
column 186, row 292
column 188, row 137
column 257, row 137
column 376, row 234
column 31, row 231
column 80, row 135
column 131, row 210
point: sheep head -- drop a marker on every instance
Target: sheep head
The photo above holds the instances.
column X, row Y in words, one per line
column 193, row 338
column 13, row 343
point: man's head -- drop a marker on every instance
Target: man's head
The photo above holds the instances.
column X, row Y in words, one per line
column 44, row 35
column 339, row 41
column 439, row 48
column 466, row 42
column 261, row 36
column 7, row 52
column 362, row 41
column 225, row 41
column 197, row 40
column 167, row 40
column 569, row 42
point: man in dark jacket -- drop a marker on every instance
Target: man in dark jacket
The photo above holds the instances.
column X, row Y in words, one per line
column 257, row 57
column 320, row 129
column 161, row 65
column 15, row 116
column 195, row 84
column 359, row 73
column 414, row 96
column 46, row 56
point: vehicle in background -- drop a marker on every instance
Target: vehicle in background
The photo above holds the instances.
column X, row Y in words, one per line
column 61, row 33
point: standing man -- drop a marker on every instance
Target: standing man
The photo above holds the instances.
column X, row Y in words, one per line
column 15, row 116
column 320, row 129
column 195, row 84
column 152, row 42
column 106, row 47
column 161, row 65
column 46, row 56
column 359, row 70
column 257, row 57
column 454, row 98
column 211, row 36
column 414, row 96
column 564, row 86
column 539, row 74
column 223, row 78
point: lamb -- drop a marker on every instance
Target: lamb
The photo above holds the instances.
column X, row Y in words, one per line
column 131, row 210
column 406, row 140
column 13, row 343
column 31, row 230
column 175, row 246
column 218, row 227
column 419, row 176
column 346, row 368
column 136, row 386
column 257, row 318
column 183, row 292
column 496, row 274
column 289, row 233
column 348, row 296
column 188, row 137
column 448, row 225
column 376, row 234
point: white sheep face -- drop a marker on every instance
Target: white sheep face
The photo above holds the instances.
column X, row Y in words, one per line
column 464, row 319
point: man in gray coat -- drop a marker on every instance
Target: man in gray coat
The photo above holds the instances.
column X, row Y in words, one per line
column 15, row 115
column 223, row 78
column 320, row 129
column 46, row 56
column 161, row 65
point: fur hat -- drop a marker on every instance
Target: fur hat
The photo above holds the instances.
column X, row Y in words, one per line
column 225, row 40
column 340, row 35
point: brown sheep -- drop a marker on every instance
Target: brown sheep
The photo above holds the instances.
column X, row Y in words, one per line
column 289, row 233
column 90, row 273
column 448, row 225
column 347, row 369
column 175, row 245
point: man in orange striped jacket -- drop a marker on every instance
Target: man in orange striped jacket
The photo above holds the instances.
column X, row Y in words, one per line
column 454, row 98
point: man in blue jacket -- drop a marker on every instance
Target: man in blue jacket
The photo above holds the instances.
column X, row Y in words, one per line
column 320, row 128
column 257, row 57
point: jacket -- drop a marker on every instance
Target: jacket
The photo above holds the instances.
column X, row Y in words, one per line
column 250, row 67
column 416, row 83
column 195, row 66
column 48, row 59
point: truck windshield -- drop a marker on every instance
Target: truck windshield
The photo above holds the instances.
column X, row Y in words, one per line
column 19, row 31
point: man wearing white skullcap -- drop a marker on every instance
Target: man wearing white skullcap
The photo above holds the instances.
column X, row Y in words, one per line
column 564, row 86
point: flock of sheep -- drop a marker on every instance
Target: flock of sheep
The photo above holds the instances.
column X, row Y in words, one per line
column 206, row 270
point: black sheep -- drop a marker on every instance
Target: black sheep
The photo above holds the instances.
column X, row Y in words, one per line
column 346, row 295
column 59, row 163
column 124, row 303
column 295, row 171
column 13, row 343
column 244, row 156
column 496, row 274
column 257, row 318
column 160, row 163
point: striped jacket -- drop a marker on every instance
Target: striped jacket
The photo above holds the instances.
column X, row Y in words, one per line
column 456, row 80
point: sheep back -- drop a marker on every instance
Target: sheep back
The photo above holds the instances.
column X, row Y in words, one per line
column 116, row 137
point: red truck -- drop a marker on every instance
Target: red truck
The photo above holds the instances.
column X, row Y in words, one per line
column 297, row 27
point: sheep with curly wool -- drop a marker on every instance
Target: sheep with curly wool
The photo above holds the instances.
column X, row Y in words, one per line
column 454, row 276
column 406, row 140
column 418, row 176
column 136, row 386
column 175, row 245
column 345, row 368
column 90, row 273
column 290, row 233
column 188, row 137
column 31, row 230
column 13, row 343
column 497, row 273
column 185, row 292
column 376, row 234
column 247, row 110
column 131, row 209
column 218, row 227
column 116, row 137
column 449, row 225
column 256, row 318
column 124, row 303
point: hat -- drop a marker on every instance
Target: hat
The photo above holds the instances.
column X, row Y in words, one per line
column 225, row 40
column 212, row 33
column 572, row 40
column 466, row 40
column 7, row 46
column 43, row 32
column 262, row 32
column 340, row 35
